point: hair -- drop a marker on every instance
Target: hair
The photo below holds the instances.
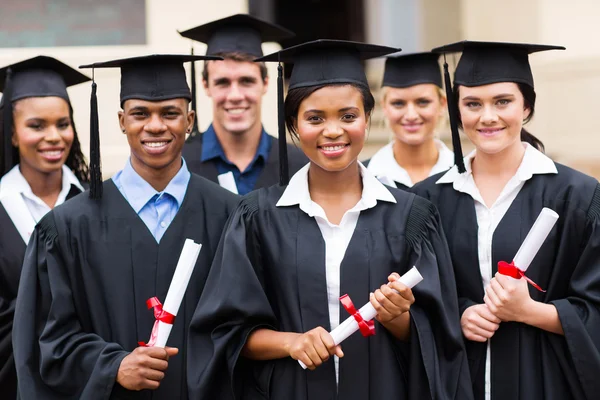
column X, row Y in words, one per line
column 296, row 96
column 239, row 57
column 385, row 89
column 529, row 100
column 75, row 160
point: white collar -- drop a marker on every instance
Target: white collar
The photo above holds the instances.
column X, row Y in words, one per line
column 297, row 191
column 534, row 162
column 384, row 166
column 14, row 182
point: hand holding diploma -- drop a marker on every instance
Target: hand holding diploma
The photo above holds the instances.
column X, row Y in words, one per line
column 368, row 312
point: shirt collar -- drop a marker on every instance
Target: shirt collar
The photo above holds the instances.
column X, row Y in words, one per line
column 383, row 163
column 139, row 192
column 297, row 191
column 211, row 147
column 14, row 182
column 534, row 163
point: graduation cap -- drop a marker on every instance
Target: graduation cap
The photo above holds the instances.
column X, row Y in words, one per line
column 412, row 69
column 155, row 77
column 237, row 33
column 320, row 62
column 40, row 76
column 484, row 63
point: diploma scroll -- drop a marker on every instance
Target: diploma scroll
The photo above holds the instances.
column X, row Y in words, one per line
column 368, row 312
column 179, row 283
column 530, row 247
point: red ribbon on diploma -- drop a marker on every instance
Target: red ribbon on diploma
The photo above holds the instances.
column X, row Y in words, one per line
column 367, row 328
column 160, row 315
column 514, row 272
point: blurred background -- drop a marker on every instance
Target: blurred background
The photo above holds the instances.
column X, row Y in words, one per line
column 85, row 31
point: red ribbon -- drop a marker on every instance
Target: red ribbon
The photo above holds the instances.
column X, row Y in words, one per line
column 160, row 315
column 514, row 272
column 367, row 328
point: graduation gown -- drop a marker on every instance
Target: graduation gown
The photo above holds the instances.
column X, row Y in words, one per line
column 88, row 271
column 269, row 272
column 12, row 252
column 527, row 362
column 269, row 175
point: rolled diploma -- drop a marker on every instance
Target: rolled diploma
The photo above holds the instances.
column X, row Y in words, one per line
column 535, row 238
column 368, row 312
column 179, row 283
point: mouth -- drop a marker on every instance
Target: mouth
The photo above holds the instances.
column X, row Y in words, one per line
column 236, row 111
column 156, row 147
column 490, row 131
column 333, row 150
column 52, row 155
column 412, row 127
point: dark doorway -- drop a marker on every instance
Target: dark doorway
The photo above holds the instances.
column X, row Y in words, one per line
column 313, row 19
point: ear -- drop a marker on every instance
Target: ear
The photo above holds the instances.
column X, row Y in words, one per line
column 526, row 113
column 265, row 85
column 121, row 115
column 205, row 84
column 443, row 102
column 190, row 120
column 14, row 140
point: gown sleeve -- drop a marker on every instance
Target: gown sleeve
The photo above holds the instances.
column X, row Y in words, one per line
column 579, row 313
column 55, row 358
column 233, row 304
column 438, row 359
column 7, row 365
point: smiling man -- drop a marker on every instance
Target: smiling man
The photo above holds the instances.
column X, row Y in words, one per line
column 235, row 150
column 92, row 264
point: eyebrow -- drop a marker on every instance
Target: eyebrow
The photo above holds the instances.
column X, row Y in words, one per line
column 499, row 96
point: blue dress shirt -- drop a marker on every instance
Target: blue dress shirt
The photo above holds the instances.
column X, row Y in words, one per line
column 245, row 180
column 156, row 209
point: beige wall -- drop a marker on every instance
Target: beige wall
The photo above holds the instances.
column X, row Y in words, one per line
column 163, row 19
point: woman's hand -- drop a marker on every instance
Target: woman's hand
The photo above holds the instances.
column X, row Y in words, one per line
column 508, row 299
column 314, row 347
column 392, row 300
column 478, row 323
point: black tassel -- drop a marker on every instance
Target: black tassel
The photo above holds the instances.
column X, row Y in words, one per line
column 95, row 165
column 284, row 175
column 452, row 112
column 194, row 104
column 8, row 150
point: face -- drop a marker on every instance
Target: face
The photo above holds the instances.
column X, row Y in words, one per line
column 492, row 115
column 331, row 125
column 156, row 130
column 413, row 112
column 236, row 89
column 43, row 133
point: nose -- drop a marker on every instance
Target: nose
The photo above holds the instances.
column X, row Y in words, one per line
column 155, row 125
column 235, row 94
column 489, row 116
column 52, row 135
column 333, row 130
column 411, row 113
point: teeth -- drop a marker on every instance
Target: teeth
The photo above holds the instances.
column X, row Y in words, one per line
column 52, row 152
column 155, row 144
column 236, row 110
column 333, row 148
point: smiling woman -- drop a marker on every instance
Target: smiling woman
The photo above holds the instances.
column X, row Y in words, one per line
column 291, row 252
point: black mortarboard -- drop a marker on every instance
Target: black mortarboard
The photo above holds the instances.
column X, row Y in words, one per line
column 155, row 77
column 40, row 76
column 320, row 62
column 412, row 69
column 484, row 63
column 237, row 33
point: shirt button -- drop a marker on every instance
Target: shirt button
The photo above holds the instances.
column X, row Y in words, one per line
column 162, row 224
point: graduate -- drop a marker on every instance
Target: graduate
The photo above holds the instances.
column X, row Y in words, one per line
column 413, row 103
column 236, row 151
column 289, row 252
column 522, row 343
column 41, row 166
column 90, row 266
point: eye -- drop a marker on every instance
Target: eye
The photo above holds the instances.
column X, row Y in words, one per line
column 348, row 117
column 473, row 104
column 313, row 118
column 398, row 103
column 423, row 102
column 36, row 126
column 64, row 125
column 504, row 102
column 171, row 114
column 139, row 114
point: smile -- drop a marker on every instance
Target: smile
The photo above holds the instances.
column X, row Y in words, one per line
column 333, row 150
column 490, row 131
column 53, row 154
column 235, row 111
column 156, row 147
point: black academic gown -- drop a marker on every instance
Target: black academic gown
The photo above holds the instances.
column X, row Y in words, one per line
column 269, row 176
column 529, row 363
column 12, row 252
column 88, row 271
column 269, row 271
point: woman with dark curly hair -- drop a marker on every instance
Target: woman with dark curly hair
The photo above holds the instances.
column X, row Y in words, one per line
column 41, row 166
